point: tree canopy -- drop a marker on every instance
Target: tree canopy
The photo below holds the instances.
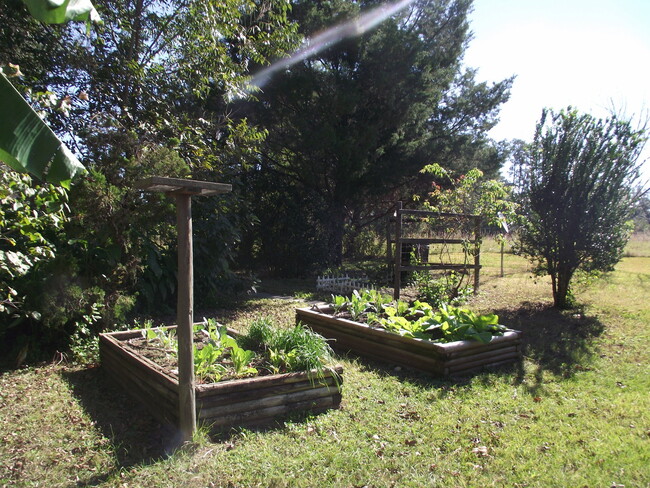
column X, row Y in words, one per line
column 146, row 92
column 355, row 123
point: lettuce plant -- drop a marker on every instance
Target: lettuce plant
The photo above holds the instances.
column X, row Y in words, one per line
column 405, row 327
column 361, row 303
column 338, row 303
column 419, row 320
column 458, row 324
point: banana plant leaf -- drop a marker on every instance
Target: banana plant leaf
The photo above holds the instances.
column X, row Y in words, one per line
column 27, row 144
column 60, row 11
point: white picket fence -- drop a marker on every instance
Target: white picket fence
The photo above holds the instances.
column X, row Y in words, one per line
column 343, row 285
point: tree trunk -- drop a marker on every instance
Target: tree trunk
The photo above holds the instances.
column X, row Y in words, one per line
column 561, row 286
column 335, row 229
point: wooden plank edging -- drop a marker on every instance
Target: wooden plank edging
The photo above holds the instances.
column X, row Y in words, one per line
column 443, row 349
column 245, row 401
column 437, row 358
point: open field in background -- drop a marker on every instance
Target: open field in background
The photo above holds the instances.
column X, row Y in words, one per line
column 576, row 412
column 639, row 246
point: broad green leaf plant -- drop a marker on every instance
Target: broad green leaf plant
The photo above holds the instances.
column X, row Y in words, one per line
column 27, row 144
column 60, row 11
column 218, row 356
column 29, row 215
column 420, row 320
column 457, row 324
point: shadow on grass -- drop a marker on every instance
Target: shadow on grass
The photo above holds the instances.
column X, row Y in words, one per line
column 421, row 379
column 228, row 437
column 558, row 341
column 136, row 437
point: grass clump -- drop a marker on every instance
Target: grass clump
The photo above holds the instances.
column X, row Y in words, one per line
column 289, row 349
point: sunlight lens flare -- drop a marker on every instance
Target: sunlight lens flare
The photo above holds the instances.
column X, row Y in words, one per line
column 329, row 38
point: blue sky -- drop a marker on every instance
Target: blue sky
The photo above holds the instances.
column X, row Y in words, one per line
column 591, row 54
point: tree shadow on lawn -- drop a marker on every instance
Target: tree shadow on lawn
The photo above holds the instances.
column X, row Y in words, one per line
column 136, row 436
column 558, row 341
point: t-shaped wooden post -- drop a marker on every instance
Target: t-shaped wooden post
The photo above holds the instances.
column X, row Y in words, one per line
column 182, row 191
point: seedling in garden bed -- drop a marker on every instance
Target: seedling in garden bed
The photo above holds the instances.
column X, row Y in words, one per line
column 339, row 302
column 219, row 356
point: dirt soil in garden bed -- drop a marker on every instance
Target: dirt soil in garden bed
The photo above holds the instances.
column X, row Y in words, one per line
column 348, row 316
column 166, row 358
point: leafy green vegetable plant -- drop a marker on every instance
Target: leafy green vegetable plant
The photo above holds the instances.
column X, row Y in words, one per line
column 222, row 344
column 419, row 320
column 206, row 363
column 213, row 356
column 241, row 359
column 458, row 324
column 357, row 307
column 165, row 337
column 339, row 302
column 361, row 303
column 376, row 300
column 407, row 327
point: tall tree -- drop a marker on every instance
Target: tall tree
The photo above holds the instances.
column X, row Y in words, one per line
column 361, row 118
column 578, row 195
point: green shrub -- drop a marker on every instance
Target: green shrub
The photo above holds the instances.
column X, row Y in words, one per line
column 447, row 289
column 31, row 216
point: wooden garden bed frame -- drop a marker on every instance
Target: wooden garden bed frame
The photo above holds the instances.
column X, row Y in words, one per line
column 448, row 359
column 244, row 402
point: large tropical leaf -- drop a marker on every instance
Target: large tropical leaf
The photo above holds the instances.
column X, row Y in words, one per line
column 27, row 144
column 60, row 11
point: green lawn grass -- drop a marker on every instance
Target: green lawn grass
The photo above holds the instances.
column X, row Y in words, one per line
column 575, row 412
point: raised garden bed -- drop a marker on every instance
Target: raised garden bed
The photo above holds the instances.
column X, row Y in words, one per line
column 221, row 405
column 440, row 359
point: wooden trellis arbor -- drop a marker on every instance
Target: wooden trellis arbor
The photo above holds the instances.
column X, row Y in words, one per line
column 451, row 236
column 183, row 191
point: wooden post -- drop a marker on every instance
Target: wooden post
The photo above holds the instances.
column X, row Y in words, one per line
column 183, row 190
column 389, row 245
column 477, row 252
column 185, row 317
column 398, row 252
column 502, row 251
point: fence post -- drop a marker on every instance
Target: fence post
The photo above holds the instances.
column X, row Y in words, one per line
column 477, row 252
column 398, row 251
column 183, row 190
column 502, row 251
